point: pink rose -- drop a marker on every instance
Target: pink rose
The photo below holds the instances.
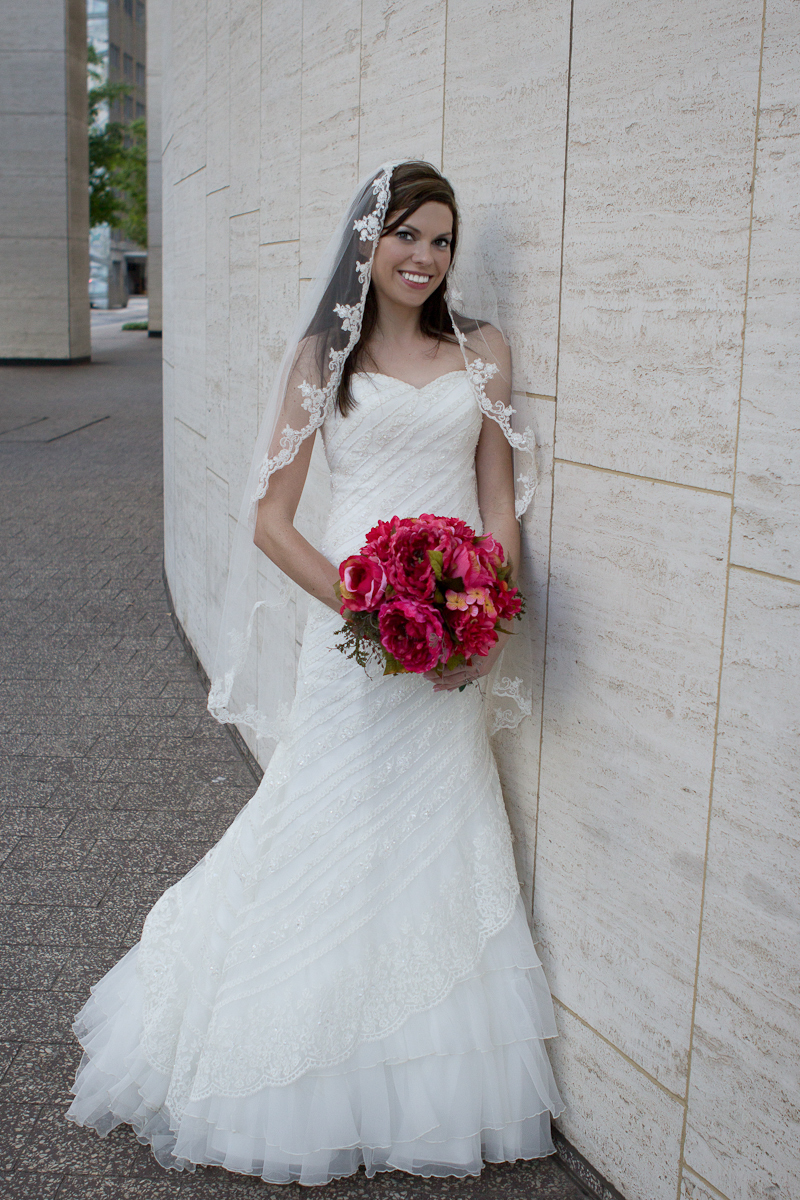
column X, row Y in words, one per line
column 508, row 600
column 363, row 583
column 411, row 632
column 467, row 564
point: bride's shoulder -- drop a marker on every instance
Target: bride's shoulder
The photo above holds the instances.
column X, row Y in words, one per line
column 486, row 342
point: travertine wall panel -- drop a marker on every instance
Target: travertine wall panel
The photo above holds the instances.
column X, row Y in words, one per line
column 622, row 1122
column 629, row 365
column 245, row 99
column 518, row 98
column 330, row 120
column 766, row 530
column 402, row 81
column 637, row 587
column 744, row 1098
column 219, row 86
column 517, row 751
column 281, row 100
column 662, row 121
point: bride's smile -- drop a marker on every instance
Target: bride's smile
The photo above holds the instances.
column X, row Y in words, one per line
column 412, row 260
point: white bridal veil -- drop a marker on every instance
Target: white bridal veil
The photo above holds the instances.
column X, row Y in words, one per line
column 253, row 677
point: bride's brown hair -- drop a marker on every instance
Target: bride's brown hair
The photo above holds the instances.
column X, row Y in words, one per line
column 412, row 185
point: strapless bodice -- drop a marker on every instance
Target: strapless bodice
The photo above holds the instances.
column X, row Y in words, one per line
column 401, row 451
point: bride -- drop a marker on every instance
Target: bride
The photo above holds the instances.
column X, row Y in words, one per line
column 348, row 976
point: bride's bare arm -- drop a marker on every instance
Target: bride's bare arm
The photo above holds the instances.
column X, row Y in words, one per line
column 277, row 537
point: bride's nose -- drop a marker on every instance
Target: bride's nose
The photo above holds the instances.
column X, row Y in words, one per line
column 423, row 255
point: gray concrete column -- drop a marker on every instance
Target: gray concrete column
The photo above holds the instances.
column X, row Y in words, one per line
column 44, row 193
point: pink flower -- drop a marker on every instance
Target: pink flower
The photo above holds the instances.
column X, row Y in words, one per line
column 474, row 632
column 473, row 600
column 412, row 633
column 363, row 583
column 508, row 600
column 410, row 571
column 467, row 564
column 380, row 540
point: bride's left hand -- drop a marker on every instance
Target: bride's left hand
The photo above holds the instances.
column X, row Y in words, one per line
column 480, row 665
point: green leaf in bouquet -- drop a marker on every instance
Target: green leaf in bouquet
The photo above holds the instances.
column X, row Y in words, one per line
column 392, row 666
column 436, row 559
column 455, row 660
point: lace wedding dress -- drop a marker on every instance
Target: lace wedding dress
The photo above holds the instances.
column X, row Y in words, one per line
column 347, row 977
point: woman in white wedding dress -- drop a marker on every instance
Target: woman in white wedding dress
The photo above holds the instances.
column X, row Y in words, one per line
column 348, row 976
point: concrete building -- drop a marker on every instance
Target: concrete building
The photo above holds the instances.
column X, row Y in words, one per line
column 44, row 203
column 118, row 31
column 635, row 171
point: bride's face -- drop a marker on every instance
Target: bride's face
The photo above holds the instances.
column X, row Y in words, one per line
column 412, row 260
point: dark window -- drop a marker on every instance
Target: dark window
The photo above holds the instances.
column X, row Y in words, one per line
column 140, row 80
column 128, row 102
column 127, row 66
column 140, row 12
column 113, row 56
column 139, row 109
column 128, row 6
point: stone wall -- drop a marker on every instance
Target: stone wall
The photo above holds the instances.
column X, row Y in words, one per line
column 635, row 171
column 44, row 199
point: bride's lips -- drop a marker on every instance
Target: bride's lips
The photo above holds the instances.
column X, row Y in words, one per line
column 413, row 282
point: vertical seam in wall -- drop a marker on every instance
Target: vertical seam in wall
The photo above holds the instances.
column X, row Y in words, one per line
column 300, row 147
column 444, row 84
column 553, row 470
column 681, row 1160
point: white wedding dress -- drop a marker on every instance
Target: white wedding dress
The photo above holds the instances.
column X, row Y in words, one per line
column 347, row 977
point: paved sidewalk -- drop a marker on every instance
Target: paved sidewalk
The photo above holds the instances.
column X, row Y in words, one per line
column 114, row 780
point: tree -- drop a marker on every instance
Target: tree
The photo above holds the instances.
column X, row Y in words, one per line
column 117, row 160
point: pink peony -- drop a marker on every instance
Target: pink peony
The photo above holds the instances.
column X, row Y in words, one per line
column 412, row 633
column 474, row 632
column 410, row 570
column 363, row 583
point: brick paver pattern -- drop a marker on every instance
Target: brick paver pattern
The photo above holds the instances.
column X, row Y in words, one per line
column 115, row 780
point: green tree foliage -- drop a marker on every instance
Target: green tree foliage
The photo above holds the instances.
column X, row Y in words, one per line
column 117, row 161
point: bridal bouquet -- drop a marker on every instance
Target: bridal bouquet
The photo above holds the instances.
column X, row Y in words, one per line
column 424, row 593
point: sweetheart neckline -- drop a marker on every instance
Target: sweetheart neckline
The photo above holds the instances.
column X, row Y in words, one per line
column 425, row 386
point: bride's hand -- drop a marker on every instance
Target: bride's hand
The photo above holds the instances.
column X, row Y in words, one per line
column 481, row 664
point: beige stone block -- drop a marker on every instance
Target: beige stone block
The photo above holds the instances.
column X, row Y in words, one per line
column 636, row 600
column 517, row 750
column 184, row 92
column 278, row 267
column 186, row 250
column 218, row 94
column 504, row 137
column 662, row 126
column 744, row 1098
column 402, row 81
column 218, row 284
column 217, row 553
column 330, row 120
column 693, row 1188
column 766, row 526
column 189, row 532
column 32, row 81
column 36, row 267
column 281, row 100
column 245, row 106
column 243, row 351
column 622, row 1122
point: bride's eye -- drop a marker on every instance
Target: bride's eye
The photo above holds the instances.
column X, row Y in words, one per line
column 405, row 233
